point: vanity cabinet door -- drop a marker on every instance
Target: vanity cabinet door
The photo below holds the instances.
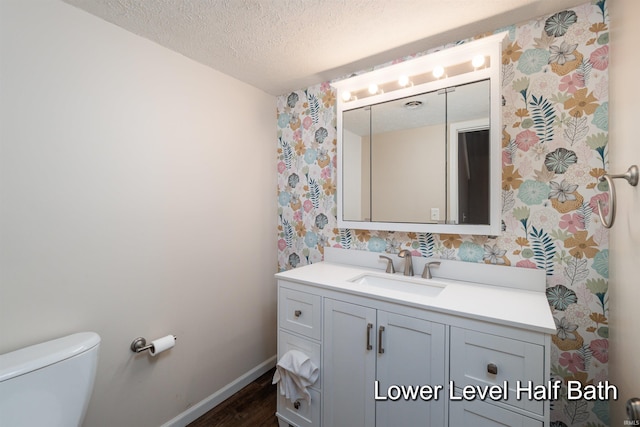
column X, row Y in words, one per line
column 349, row 364
column 411, row 352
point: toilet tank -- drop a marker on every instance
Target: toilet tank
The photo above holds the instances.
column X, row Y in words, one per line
column 48, row 384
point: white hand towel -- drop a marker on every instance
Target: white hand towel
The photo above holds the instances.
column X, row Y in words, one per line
column 295, row 372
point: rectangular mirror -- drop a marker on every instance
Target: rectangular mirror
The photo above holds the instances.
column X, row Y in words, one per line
column 424, row 157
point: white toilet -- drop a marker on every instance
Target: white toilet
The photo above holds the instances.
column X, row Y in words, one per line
column 48, row 384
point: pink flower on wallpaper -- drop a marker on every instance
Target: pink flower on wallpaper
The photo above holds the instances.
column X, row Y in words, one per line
column 297, row 135
column 572, row 222
column 307, row 122
column 506, row 158
column 282, row 245
column 571, row 82
column 572, row 361
column 307, row 206
column 526, row 139
column 600, row 349
column 281, row 167
column 604, row 198
column 297, row 216
column 325, row 173
column 525, row 263
column 600, row 58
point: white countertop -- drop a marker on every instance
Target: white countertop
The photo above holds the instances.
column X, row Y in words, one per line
column 509, row 306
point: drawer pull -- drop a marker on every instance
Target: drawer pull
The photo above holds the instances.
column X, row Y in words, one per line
column 369, row 327
column 296, row 404
column 297, row 313
column 492, row 368
column 380, row 331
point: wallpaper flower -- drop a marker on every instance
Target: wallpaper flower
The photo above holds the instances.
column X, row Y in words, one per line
column 555, row 139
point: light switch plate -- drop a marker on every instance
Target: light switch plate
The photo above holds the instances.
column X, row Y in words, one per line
column 435, row 214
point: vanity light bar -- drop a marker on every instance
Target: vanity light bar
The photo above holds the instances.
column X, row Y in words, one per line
column 406, row 80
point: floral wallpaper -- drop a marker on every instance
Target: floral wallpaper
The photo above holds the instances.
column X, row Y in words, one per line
column 555, row 134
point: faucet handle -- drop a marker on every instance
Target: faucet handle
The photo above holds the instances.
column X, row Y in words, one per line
column 426, row 273
column 390, row 268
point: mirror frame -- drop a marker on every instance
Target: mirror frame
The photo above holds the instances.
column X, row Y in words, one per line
column 491, row 47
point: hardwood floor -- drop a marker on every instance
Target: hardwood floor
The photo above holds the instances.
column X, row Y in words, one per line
column 253, row 406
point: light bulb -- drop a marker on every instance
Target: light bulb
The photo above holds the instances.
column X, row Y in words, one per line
column 403, row 81
column 477, row 61
column 438, row 72
column 373, row 88
column 346, row 96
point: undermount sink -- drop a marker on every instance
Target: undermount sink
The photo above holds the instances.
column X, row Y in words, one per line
column 413, row 285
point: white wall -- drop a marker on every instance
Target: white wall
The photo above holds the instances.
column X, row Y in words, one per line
column 624, row 286
column 136, row 198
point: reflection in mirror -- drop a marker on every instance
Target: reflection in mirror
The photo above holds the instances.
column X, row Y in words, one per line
column 468, row 113
column 408, row 159
column 400, row 166
column 356, row 186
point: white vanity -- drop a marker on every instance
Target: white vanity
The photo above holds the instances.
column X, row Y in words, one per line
column 473, row 330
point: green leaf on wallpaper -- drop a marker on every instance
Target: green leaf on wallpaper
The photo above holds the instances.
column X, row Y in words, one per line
column 559, row 234
column 521, row 212
column 576, row 411
column 289, row 233
column 561, row 256
column 543, row 249
column 603, row 39
column 598, row 286
column 314, row 109
column 425, row 244
column 577, row 128
column 598, row 140
column 287, row 153
column 345, row 238
column 603, row 331
column 560, row 372
column 560, row 98
column 544, row 116
column 314, row 193
column 521, row 85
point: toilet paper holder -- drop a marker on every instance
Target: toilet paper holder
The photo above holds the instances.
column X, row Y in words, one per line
column 140, row 344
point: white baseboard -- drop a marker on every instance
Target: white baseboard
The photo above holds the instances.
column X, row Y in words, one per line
column 207, row 404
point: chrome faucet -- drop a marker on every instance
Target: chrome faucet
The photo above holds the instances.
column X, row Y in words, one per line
column 408, row 264
column 426, row 273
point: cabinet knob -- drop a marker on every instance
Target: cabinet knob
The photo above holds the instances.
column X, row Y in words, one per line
column 492, row 368
column 296, row 404
column 297, row 313
column 633, row 409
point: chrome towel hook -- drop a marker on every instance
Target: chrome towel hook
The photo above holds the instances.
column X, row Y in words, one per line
column 631, row 175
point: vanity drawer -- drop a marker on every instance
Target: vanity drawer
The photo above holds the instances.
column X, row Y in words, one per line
column 287, row 341
column 482, row 414
column 299, row 413
column 480, row 359
column 300, row 312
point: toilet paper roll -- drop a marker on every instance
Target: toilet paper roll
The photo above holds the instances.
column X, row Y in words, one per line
column 162, row 344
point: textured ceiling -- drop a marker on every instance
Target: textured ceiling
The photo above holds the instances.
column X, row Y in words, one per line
column 284, row 45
